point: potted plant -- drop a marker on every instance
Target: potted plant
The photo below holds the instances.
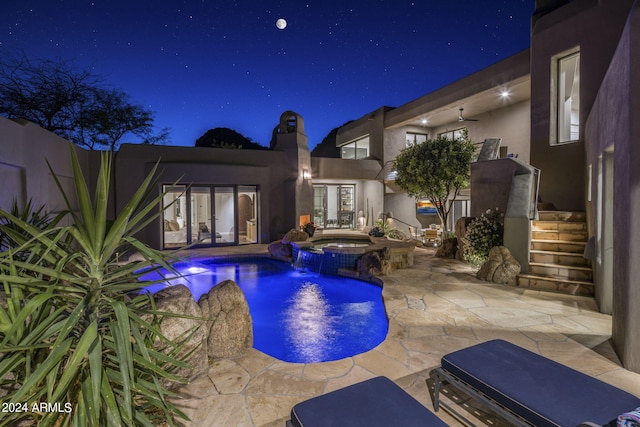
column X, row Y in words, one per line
column 309, row 228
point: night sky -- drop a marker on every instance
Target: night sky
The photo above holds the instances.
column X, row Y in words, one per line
column 200, row 64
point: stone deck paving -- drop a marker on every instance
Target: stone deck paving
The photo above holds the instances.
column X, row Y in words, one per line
column 434, row 308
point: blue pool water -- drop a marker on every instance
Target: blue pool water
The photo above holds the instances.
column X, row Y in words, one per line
column 297, row 316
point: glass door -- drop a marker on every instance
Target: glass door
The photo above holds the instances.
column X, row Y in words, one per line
column 345, row 194
column 209, row 215
column 247, row 214
column 201, row 227
column 175, row 231
column 225, row 215
column 319, row 206
column 334, row 206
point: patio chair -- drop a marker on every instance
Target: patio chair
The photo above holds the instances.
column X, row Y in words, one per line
column 413, row 233
column 432, row 236
column 490, row 149
column 528, row 389
column 377, row 402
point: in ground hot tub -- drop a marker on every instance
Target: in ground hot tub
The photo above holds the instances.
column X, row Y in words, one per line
column 329, row 254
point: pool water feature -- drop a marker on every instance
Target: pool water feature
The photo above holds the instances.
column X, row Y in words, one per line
column 297, row 317
column 321, row 244
column 330, row 254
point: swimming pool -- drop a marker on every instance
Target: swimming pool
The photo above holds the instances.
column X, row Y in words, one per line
column 297, row 316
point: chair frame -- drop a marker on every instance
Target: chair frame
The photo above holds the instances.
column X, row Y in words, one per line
column 442, row 376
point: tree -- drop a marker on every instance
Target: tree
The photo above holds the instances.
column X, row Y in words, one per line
column 111, row 117
column 436, row 170
column 327, row 147
column 72, row 103
column 227, row 138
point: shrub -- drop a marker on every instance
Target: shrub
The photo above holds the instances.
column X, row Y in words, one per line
column 75, row 330
column 483, row 234
column 396, row 234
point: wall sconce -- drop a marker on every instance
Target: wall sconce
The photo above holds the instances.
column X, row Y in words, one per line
column 306, row 175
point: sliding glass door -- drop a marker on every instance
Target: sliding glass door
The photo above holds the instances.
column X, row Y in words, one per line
column 209, row 215
column 175, row 233
column 201, row 213
column 225, row 215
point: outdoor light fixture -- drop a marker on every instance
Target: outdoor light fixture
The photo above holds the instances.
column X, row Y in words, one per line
column 306, row 175
column 504, row 93
column 424, row 121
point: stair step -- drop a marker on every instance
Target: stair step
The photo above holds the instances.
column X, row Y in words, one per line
column 575, row 259
column 555, row 284
column 558, row 246
column 559, row 226
column 562, row 216
column 584, row 274
column 570, row 236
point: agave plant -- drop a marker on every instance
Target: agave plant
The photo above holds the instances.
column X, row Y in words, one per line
column 38, row 218
column 78, row 340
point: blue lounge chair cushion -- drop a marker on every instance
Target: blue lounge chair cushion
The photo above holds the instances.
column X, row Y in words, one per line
column 538, row 389
column 377, row 402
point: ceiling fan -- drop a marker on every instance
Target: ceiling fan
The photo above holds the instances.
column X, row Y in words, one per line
column 461, row 118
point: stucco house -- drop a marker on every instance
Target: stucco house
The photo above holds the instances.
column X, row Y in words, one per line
column 568, row 107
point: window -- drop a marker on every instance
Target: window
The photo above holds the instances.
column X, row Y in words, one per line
column 416, row 138
column 453, row 134
column 358, row 149
column 565, row 91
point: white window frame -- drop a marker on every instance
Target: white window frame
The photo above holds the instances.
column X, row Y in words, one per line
column 565, row 98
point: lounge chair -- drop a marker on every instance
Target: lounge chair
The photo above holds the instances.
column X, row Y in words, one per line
column 528, row 389
column 377, row 402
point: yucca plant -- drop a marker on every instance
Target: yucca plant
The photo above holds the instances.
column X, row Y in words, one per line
column 77, row 336
column 37, row 217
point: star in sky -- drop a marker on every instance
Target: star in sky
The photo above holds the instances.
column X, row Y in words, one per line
column 202, row 64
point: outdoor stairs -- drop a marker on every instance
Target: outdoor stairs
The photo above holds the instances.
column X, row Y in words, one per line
column 558, row 240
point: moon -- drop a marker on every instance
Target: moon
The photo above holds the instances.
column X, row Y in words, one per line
column 281, row 24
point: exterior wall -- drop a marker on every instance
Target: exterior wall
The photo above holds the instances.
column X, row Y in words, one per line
column 594, row 26
column 614, row 126
column 506, row 184
column 395, row 140
column 298, row 190
column 330, row 168
column 371, row 124
column 403, row 210
column 197, row 165
column 512, row 124
column 361, row 173
column 26, row 176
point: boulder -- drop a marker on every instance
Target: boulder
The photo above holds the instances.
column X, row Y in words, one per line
column 179, row 300
column 462, row 224
column 294, row 235
column 228, row 320
column 448, row 248
column 500, row 267
column 280, row 251
column 374, row 263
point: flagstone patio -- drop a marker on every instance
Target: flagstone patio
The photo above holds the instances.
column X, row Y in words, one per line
column 435, row 307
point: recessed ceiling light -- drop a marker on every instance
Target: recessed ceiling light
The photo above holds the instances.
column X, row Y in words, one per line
column 424, row 121
column 504, row 93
